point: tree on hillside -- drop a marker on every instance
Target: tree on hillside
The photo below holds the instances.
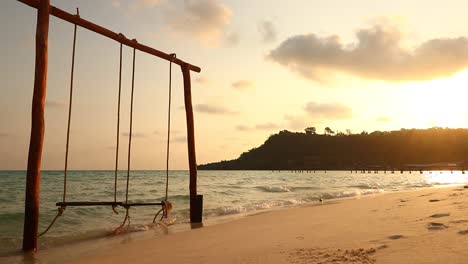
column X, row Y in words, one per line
column 328, row 131
column 386, row 149
column 311, row 131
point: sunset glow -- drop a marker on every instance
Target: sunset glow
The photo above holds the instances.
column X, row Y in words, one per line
column 363, row 67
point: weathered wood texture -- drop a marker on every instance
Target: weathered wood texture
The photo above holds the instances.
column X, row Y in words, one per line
column 37, row 124
column 190, row 144
column 74, row 19
column 31, row 208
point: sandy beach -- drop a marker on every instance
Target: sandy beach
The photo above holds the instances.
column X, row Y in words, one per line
column 310, row 131
column 424, row 226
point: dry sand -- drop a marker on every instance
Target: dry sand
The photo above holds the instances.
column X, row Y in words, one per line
column 424, row 226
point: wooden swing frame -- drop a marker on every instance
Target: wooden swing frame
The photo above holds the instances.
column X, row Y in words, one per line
column 31, row 217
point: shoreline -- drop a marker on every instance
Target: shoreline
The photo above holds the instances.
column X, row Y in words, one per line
column 307, row 231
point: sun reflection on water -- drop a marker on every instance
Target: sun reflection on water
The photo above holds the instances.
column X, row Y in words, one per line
column 447, row 178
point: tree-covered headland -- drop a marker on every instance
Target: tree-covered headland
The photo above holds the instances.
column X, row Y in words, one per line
column 347, row 151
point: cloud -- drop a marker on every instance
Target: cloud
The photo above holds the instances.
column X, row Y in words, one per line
column 202, row 80
column 181, row 139
column 164, row 132
column 296, row 122
column 267, row 31
column 206, row 20
column 265, row 126
column 133, row 7
column 150, row 3
column 383, row 119
column 316, row 113
column 242, row 84
column 135, row 135
column 378, row 53
column 213, row 109
column 56, row 104
column 243, row 128
column 116, row 4
column 231, row 39
column 328, row 110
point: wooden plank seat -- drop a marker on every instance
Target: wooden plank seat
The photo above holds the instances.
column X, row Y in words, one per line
column 65, row 204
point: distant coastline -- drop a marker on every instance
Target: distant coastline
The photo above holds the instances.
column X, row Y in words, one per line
column 405, row 149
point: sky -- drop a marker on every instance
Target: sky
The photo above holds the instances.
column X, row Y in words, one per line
column 267, row 65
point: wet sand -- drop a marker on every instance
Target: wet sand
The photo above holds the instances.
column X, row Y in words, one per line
column 424, row 226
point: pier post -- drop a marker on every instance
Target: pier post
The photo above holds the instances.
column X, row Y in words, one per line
column 33, row 175
column 196, row 201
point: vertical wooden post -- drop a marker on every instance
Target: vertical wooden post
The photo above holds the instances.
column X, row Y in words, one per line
column 31, row 208
column 195, row 200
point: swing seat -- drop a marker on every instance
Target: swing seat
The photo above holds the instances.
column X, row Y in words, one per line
column 65, row 204
column 140, row 204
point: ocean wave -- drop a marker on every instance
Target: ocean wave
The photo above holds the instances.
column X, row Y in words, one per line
column 178, row 197
column 421, row 185
column 230, row 186
column 366, row 186
column 345, row 194
column 225, row 193
column 10, row 246
column 273, row 189
column 238, row 209
column 225, row 210
column 304, row 188
column 9, row 218
column 140, row 227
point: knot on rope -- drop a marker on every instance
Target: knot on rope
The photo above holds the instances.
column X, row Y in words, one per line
column 127, row 216
column 121, row 229
column 173, row 56
column 60, row 212
column 166, row 207
column 113, row 208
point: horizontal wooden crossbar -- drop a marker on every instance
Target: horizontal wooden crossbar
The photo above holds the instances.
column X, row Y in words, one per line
column 87, row 203
column 74, row 19
column 65, row 204
column 140, row 204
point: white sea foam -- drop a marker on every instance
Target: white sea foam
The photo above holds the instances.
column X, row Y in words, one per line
column 274, row 188
column 225, row 193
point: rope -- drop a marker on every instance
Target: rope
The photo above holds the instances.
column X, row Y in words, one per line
column 61, row 209
column 127, row 208
column 130, row 133
column 156, row 215
column 127, row 217
column 173, row 56
column 118, row 128
column 165, row 209
column 70, row 110
column 59, row 213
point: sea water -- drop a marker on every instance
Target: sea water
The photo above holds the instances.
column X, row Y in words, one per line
column 226, row 193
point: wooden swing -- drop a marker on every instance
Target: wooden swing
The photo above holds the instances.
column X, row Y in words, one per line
column 31, row 218
column 126, row 204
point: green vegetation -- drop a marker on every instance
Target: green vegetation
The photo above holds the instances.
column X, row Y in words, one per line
column 343, row 151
